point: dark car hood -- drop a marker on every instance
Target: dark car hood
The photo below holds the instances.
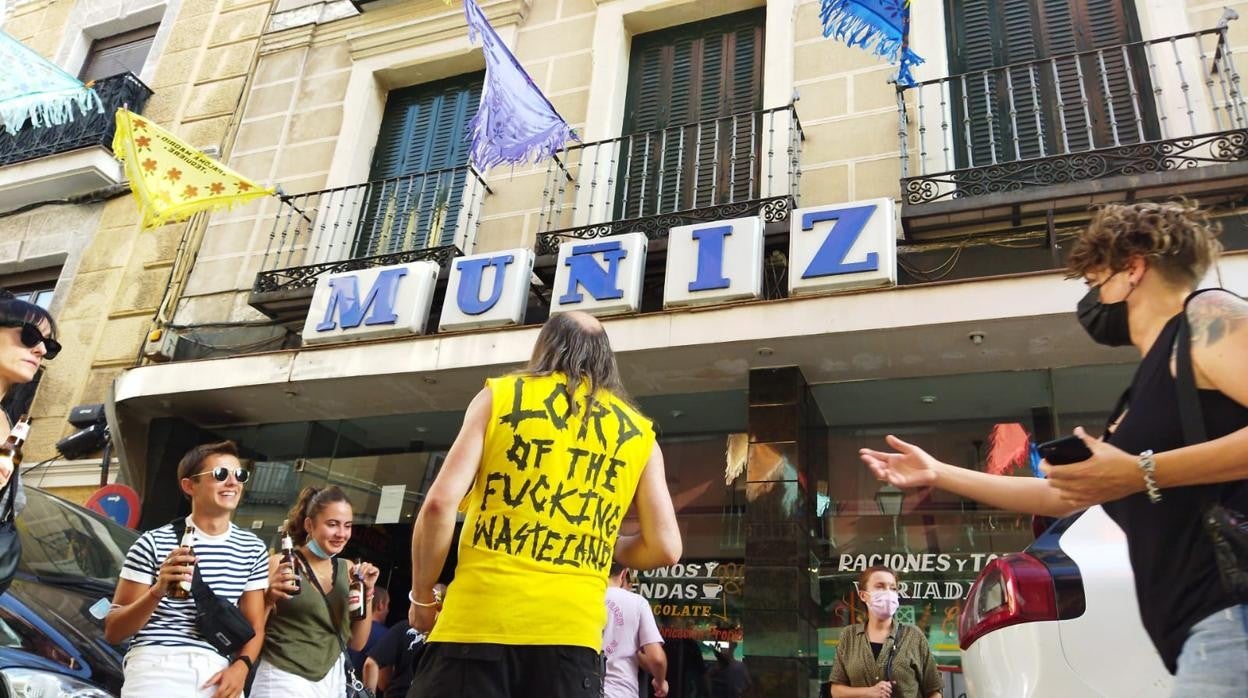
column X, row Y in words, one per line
column 73, row 640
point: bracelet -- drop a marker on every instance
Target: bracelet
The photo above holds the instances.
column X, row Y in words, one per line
column 1148, row 467
column 431, row 604
column 245, row 660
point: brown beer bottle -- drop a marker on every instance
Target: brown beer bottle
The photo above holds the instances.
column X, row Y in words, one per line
column 182, row 590
column 355, row 595
column 11, row 449
column 288, row 558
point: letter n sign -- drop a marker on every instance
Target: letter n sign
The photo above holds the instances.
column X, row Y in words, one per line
column 601, row 276
column 371, row 303
column 487, row 290
column 843, row 246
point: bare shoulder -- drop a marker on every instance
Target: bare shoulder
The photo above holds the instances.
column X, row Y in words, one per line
column 1215, row 316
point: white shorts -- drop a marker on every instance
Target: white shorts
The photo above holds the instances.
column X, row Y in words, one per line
column 170, row 672
column 272, row 682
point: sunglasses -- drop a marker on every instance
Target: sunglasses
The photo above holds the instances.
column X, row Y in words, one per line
column 222, row 473
column 31, row 337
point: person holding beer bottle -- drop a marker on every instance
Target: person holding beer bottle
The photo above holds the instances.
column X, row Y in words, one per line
column 27, row 339
column 168, row 655
column 317, row 604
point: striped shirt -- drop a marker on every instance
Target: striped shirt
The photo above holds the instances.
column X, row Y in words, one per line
column 231, row 563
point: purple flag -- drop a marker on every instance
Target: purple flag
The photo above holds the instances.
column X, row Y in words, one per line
column 515, row 122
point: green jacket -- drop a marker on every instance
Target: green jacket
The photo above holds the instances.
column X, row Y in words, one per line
column 914, row 667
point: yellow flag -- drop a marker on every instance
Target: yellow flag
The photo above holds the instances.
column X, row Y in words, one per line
column 172, row 180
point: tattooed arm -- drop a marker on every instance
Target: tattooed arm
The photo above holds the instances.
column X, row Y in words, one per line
column 1220, row 360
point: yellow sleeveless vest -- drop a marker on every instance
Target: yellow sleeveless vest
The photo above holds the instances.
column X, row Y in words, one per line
column 557, row 476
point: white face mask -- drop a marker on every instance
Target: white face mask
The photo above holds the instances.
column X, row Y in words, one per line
column 884, row 603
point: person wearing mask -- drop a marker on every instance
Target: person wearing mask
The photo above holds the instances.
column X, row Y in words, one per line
column 1141, row 263
column 27, row 339
column 390, row 664
column 381, row 609
column 881, row 658
column 308, row 625
column 550, row 459
column 630, row 640
column 168, row 656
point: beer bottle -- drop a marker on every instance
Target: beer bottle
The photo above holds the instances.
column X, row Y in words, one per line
column 288, row 558
column 182, row 589
column 355, row 595
column 11, row 449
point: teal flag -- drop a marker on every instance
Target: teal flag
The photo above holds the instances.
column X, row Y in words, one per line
column 35, row 91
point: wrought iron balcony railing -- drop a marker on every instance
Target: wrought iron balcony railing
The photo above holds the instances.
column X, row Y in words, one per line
column 1146, row 106
column 717, row 168
column 429, row 215
column 92, row 128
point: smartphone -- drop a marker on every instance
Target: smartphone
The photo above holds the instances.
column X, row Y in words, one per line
column 1063, row 451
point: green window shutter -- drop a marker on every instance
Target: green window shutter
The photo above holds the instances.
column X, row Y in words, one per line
column 418, row 175
column 690, row 76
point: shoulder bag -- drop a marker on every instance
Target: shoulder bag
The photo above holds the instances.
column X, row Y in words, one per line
column 220, row 622
column 1227, row 528
column 355, row 687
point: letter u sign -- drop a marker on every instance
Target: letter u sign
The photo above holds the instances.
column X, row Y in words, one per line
column 843, row 246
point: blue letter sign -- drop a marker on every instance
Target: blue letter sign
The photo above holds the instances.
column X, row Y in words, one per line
column 609, row 270
column 471, row 274
column 396, row 303
column 830, row 259
column 843, row 246
column 345, row 298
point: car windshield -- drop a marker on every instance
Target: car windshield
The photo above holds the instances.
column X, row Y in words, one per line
column 63, row 541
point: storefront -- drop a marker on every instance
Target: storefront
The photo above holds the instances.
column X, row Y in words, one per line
column 761, row 406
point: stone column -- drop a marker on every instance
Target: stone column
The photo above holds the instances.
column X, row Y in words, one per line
column 781, row 571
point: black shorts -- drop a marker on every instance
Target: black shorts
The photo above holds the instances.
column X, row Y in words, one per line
column 458, row 670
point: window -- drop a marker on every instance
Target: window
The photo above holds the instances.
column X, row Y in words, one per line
column 41, row 297
column 419, row 168
column 118, row 54
column 706, row 77
column 1014, row 114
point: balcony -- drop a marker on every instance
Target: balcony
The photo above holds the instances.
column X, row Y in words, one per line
column 728, row 167
column 429, row 215
column 75, row 158
column 1032, row 140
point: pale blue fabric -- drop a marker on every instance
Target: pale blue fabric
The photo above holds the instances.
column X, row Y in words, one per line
column 35, row 91
column 515, row 122
column 1214, row 660
column 886, row 23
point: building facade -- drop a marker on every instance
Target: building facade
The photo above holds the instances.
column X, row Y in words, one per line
column 792, row 256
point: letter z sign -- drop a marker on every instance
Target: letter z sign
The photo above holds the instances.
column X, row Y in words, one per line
column 842, row 247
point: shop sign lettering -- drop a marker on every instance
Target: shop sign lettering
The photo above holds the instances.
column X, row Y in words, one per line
column 833, row 247
column 917, row 562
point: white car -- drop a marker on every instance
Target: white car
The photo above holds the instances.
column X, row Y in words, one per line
column 1060, row 620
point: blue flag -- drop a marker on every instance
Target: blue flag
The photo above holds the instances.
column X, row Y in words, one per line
column 35, row 91
column 884, row 23
column 515, row 122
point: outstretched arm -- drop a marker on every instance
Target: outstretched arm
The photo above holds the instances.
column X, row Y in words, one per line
column 658, row 544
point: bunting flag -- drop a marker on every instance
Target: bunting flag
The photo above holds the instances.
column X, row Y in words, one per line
column 172, row 180
column 515, row 122
column 886, row 23
column 35, row 91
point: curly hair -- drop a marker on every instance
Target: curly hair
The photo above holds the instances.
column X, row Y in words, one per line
column 1178, row 238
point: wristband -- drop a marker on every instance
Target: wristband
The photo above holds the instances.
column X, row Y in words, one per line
column 245, row 660
column 431, row 604
column 1148, row 467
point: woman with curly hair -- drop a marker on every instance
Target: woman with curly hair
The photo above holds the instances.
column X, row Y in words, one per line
column 1175, row 450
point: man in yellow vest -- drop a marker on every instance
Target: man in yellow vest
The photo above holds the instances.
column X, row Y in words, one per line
column 550, row 459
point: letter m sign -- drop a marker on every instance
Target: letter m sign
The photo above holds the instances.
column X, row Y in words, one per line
column 843, row 246
column 371, row 303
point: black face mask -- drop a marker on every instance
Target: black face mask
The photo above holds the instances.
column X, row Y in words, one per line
column 1106, row 323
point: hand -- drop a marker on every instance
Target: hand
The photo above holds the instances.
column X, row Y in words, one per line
column 229, row 681
column 6, row 471
column 883, row 689
column 1109, row 474
column 660, row 687
column 909, row 468
column 177, row 567
column 369, row 572
column 422, row 618
column 281, row 584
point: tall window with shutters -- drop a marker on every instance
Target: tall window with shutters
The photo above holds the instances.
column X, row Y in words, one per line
column 1022, row 94
column 420, row 167
column 117, row 54
column 691, row 127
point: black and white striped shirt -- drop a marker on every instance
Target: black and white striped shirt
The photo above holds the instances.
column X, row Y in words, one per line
column 231, row 563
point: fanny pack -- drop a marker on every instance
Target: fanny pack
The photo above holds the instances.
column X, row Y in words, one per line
column 219, row 622
column 1226, row 528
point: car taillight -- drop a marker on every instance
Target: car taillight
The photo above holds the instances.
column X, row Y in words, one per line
column 1016, row 588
